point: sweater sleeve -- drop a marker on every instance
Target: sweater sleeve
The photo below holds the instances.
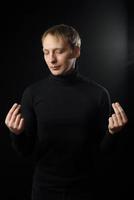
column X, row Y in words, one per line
column 25, row 142
column 108, row 141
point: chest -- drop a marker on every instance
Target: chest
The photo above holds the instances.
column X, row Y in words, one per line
column 65, row 116
column 72, row 105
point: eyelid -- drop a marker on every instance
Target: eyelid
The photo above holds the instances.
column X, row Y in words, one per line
column 45, row 52
column 60, row 50
column 56, row 50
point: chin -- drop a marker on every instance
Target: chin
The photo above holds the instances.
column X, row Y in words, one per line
column 56, row 73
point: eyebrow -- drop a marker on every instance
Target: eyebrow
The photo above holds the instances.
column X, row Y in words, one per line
column 53, row 49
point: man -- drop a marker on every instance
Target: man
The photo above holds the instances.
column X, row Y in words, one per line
column 66, row 119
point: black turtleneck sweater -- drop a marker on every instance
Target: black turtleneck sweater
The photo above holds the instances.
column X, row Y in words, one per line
column 66, row 123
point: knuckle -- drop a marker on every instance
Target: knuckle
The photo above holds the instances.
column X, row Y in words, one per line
column 115, row 126
column 14, row 127
column 120, row 124
column 111, row 127
column 126, row 121
column 10, row 126
column 19, row 115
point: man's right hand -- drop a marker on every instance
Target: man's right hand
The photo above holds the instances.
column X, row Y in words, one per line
column 14, row 120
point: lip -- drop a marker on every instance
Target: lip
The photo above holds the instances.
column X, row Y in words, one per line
column 55, row 67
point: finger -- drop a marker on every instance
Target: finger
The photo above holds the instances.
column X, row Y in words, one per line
column 115, row 121
column 17, row 121
column 10, row 112
column 16, row 111
column 9, row 115
column 116, row 109
column 118, row 114
column 122, row 113
column 21, row 124
column 13, row 117
column 111, row 123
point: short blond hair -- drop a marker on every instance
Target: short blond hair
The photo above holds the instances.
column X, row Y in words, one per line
column 66, row 32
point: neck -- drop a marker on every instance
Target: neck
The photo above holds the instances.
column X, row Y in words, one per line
column 69, row 76
column 69, row 71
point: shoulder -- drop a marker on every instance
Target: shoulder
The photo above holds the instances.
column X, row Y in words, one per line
column 93, row 85
column 35, row 87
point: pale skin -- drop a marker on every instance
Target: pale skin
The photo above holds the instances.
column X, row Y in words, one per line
column 118, row 119
column 60, row 59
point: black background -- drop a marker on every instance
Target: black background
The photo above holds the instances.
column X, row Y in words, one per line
column 106, row 29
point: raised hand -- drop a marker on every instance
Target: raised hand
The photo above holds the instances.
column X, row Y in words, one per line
column 118, row 120
column 14, row 120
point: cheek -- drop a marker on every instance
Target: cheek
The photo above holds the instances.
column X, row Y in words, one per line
column 63, row 59
column 46, row 59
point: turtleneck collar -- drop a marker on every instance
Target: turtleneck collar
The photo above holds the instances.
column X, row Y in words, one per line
column 66, row 78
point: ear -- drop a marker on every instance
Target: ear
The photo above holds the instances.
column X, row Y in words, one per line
column 76, row 52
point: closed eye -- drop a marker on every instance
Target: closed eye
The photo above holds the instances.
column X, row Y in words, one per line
column 59, row 51
column 45, row 52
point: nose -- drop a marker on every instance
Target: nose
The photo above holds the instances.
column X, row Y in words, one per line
column 52, row 58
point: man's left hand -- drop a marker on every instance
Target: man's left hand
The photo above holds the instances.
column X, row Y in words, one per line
column 117, row 120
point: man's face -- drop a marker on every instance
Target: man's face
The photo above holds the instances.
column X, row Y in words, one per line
column 59, row 56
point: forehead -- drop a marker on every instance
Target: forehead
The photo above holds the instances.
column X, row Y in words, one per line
column 52, row 41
